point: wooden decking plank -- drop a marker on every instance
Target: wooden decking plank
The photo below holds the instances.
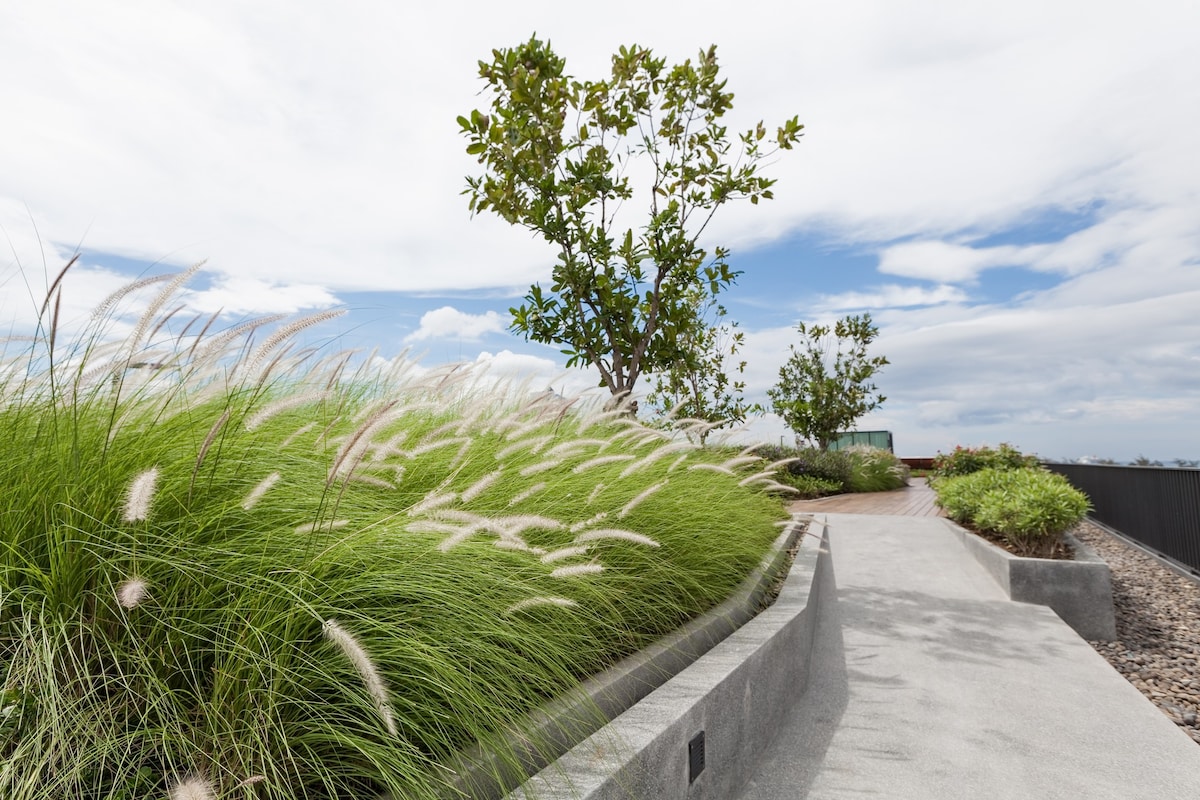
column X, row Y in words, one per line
column 916, row 500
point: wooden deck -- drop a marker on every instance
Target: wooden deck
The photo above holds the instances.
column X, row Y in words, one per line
column 916, row 500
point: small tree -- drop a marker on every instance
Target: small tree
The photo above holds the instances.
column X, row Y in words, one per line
column 559, row 157
column 697, row 384
column 825, row 386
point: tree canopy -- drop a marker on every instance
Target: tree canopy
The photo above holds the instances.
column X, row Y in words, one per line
column 825, row 386
column 570, row 160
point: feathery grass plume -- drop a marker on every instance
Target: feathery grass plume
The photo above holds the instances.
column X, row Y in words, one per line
column 532, row 602
column 541, row 466
column 101, row 311
column 513, row 543
column 456, row 539
column 131, row 592
column 433, row 526
column 215, row 347
column 511, row 526
column 480, row 486
column 429, row 447
column 260, row 489
column 371, row 480
column 533, row 445
column 740, row 461
column 208, row 440
column 255, row 420
column 756, row 477
column 389, row 447
column 573, row 447
column 721, row 468
column 193, row 788
column 575, row 570
column 140, row 496
column 616, row 533
column 521, row 497
column 655, row 455
column 639, row 499
column 601, row 460
column 596, row 490
column 587, row 523
column 330, row 525
column 432, row 500
column 286, row 332
column 355, row 448
column 564, row 553
column 173, row 285
column 365, row 668
column 678, row 462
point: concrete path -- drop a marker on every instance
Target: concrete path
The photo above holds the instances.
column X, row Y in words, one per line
column 928, row 683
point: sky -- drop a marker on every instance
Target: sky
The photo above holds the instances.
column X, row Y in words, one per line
column 1011, row 190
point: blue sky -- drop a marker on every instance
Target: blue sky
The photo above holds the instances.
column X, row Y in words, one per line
column 1011, row 190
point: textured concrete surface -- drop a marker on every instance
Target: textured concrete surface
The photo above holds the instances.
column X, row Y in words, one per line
column 739, row 695
column 927, row 682
column 1079, row 591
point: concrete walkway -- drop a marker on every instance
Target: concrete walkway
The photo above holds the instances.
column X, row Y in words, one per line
column 927, row 683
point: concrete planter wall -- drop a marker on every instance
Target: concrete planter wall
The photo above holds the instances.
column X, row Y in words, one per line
column 699, row 733
column 1079, row 591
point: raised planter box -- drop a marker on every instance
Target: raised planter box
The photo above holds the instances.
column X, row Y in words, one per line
column 686, row 717
column 1079, row 591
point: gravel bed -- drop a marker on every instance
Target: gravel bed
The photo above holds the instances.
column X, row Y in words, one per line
column 1157, row 647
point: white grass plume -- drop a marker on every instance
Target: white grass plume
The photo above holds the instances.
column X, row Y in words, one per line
column 573, row 447
column 155, row 305
column 769, row 475
column 131, row 592
column 365, row 668
column 431, row 501
column 303, row 429
column 721, row 468
column 533, row 602
column 259, row 490
column 533, row 445
column 355, row 448
column 541, row 466
column 587, row 523
column 255, row 420
column 371, row 480
column 632, row 504
column 522, row 496
column 140, row 496
column 740, row 461
column 655, row 455
column 601, row 460
column 575, row 570
column 101, row 311
column 456, row 539
column 596, row 490
column 480, row 486
column 564, row 553
column 193, row 788
column 285, row 332
column 616, row 533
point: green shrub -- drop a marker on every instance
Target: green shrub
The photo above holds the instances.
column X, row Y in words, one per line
column 965, row 460
column 809, row 487
column 875, row 470
column 831, row 466
column 1030, row 508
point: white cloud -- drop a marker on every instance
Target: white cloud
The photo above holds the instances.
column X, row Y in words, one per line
column 448, row 322
column 890, row 296
column 240, row 296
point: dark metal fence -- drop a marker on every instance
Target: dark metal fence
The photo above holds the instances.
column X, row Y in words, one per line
column 1156, row 506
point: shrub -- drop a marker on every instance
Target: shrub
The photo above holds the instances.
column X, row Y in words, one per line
column 965, row 460
column 1030, row 508
column 830, row 466
column 875, row 470
column 809, row 487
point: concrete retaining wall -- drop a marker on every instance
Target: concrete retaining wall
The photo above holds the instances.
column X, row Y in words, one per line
column 1079, row 591
column 698, row 736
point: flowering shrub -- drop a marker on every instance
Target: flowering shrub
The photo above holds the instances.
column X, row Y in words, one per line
column 965, row 460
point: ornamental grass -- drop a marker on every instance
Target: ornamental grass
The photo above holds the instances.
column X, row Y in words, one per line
column 234, row 567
